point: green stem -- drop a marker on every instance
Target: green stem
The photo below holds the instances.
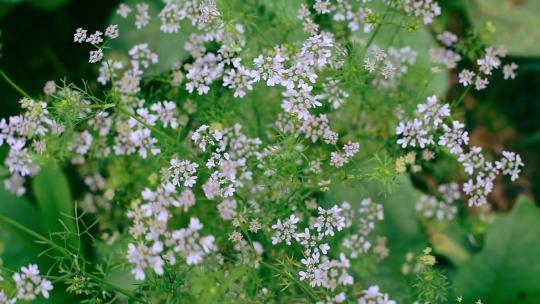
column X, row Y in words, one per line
column 13, row 84
column 38, row 236
column 103, row 106
column 257, row 117
column 458, row 101
column 295, row 280
column 121, row 290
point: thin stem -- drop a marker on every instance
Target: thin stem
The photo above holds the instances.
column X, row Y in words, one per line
column 257, row 117
column 458, row 101
column 13, row 84
column 38, row 236
column 103, row 106
column 296, row 281
column 121, row 290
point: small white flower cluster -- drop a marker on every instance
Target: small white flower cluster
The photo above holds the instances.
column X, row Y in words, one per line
column 317, row 127
column 474, row 163
column 373, row 295
column 445, row 56
column 96, row 40
column 230, row 151
column 388, row 68
column 142, row 18
column 431, row 207
column 368, row 214
column 319, row 269
column 333, row 93
column 202, row 14
column 50, row 87
column 28, row 284
column 338, row 159
column 157, row 243
column 426, row 9
column 99, row 197
column 17, row 132
column 227, row 209
column 419, row 133
column 485, row 65
column 128, row 77
column 341, row 11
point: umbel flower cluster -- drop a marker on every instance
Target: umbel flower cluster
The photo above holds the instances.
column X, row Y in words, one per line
column 224, row 169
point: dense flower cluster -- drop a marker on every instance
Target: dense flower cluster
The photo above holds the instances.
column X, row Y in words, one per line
column 420, row 132
column 186, row 189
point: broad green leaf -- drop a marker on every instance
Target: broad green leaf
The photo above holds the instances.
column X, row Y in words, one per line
column 20, row 248
column 56, row 205
column 516, row 23
column 506, row 270
column 400, row 224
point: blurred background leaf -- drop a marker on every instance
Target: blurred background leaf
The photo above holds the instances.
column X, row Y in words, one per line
column 507, row 268
column 516, row 22
column 56, row 206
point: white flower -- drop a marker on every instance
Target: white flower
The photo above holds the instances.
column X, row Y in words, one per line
column 489, row 62
column 351, row 148
column 112, row 31
column 50, row 87
column 143, row 257
column 167, row 113
column 447, row 38
column 509, row 70
column 454, row 138
column 123, row 10
column 372, row 295
column 142, row 56
column 80, row 35
column 227, row 209
column 480, row 83
column 95, row 56
column 478, row 191
column 466, row 77
column 30, row 284
column 240, row 80
column 328, row 220
column 322, row 6
column 95, row 38
column 190, row 245
column 473, row 160
column 183, row 171
column 142, row 18
column 285, row 231
column 170, row 17
column 432, row 111
column 413, row 134
column 510, row 164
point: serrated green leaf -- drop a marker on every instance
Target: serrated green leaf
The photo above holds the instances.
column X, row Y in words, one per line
column 506, row 270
